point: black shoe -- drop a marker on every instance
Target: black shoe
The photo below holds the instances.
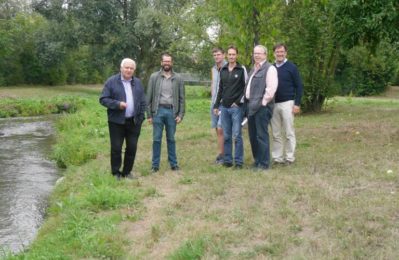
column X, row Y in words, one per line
column 260, row 169
column 278, row 163
column 219, row 159
column 227, row 165
column 288, row 163
column 175, row 168
column 117, row 176
column 154, row 169
column 130, row 177
column 238, row 166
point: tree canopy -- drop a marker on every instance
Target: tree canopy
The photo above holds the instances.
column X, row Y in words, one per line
column 339, row 46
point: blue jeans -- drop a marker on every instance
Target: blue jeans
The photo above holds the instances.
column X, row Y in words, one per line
column 259, row 136
column 164, row 117
column 231, row 124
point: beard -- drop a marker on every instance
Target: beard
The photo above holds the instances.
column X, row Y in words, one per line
column 166, row 68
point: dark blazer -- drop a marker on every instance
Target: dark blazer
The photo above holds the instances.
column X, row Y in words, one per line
column 114, row 92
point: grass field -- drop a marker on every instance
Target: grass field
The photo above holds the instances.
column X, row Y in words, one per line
column 338, row 201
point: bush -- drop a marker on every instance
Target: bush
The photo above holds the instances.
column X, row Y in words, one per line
column 366, row 73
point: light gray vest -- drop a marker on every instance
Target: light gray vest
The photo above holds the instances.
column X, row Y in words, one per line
column 258, row 88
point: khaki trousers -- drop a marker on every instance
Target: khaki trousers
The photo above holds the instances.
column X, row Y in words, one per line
column 284, row 141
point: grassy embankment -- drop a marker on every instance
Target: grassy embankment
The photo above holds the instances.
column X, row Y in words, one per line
column 339, row 200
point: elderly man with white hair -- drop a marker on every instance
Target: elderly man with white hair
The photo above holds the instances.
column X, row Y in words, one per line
column 259, row 99
column 123, row 95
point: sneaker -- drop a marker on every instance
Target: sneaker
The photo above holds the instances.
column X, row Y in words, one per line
column 219, row 159
column 175, row 168
column 154, row 169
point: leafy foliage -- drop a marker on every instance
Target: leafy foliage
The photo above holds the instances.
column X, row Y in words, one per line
column 250, row 25
column 55, row 42
column 367, row 22
column 314, row 47
column 367, row 74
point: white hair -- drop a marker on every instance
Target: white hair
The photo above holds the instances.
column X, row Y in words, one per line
column 262, row 47
column 128, row 60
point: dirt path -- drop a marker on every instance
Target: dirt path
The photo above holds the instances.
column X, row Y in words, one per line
column 144, row 233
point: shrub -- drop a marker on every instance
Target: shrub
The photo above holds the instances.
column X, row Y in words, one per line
column 367, row 73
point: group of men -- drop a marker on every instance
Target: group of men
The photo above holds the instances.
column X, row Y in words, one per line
column 270, row 92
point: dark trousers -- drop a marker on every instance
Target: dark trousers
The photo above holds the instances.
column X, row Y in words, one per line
column 259, row 136
column 118, row 134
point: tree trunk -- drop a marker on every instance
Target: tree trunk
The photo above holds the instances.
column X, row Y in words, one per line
column 316, row 103
column 255, row 24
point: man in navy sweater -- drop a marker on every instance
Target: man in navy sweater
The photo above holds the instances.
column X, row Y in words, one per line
column 287, row 105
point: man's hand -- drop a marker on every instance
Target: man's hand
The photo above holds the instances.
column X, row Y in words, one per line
column 178, row 119
column 296, row 110
column 216, row 111
column 122, row 105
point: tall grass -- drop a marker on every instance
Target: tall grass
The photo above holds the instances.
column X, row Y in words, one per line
column 13, row 107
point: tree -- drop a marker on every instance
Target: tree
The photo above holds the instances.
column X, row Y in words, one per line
column 314, row 46
column 370, row 43
column 115, row 29
column 246, row 24
column 321, row 32
column 367, row 22
column 19, row 63
column 10, row 8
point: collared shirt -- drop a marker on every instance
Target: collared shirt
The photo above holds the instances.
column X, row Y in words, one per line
column 166, row 97
column 127, row 85
column 250, row 79
column 271, row 84
column 280, row 64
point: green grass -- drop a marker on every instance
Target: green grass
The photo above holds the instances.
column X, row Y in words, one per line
column 338, row 201
column 192, row 249
column 34, row 101
column 12, row 107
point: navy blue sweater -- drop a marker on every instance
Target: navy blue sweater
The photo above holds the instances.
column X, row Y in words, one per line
column 289, row 84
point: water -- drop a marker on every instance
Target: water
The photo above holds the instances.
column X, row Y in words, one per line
column 27, row 177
